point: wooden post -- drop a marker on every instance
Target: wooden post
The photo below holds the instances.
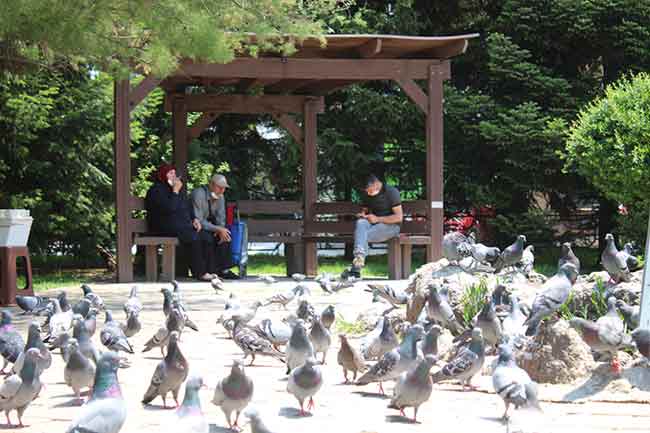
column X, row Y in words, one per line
column 122, row 179
column 644, row 320
column 309, row 186
column 180, row 134
column 434, row 162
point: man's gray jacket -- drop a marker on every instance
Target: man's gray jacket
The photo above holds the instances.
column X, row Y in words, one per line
column 203, row 203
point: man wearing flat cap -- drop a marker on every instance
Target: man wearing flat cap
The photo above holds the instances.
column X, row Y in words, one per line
column 209, row 206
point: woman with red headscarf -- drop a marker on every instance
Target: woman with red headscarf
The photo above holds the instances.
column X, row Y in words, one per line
column 169, row 213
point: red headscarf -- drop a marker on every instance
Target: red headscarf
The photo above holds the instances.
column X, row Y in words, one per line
column 161, row 175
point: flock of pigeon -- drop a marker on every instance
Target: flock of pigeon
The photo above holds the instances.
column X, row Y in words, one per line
column 302, row 339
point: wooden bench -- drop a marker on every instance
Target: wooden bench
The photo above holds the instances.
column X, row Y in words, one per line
column 335, row 222
column 278, row 222
column 152, row 243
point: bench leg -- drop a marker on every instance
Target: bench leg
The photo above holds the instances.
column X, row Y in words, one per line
column 311, row 258
column 151, row 262
column 407, row 249
column 169, row 263
column 394, row 260
column 294, row 256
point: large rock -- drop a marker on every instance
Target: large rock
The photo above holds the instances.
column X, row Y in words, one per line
column 556, row 354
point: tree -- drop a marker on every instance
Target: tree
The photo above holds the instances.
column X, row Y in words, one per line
column 609, row 144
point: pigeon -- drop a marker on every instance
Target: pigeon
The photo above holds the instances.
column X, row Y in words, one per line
column 512, row 383
column 393, row 296
column 232, row 303
column 439, row 310
column 298, row 277
column 251, row 343
column 527, row 261
column 282, row 299
column 325, row 283
column 175, row 320
column 133, row 304
column 62, row 344
column 512, row 327
column 105, row 412
column 82, row 307
column 132, row 325
column 627, row 253
column 112, row 336
column 641, row 338
column 328, row 316
column 59, row 322
column 602, row 338
column 299, row 348
column 568, row 256
column 631, row 314
column 614, row 263
column 169, row 375
column 20, row 389
column 11, row 342
column 81, row 334
column 90, row 321
column 511, row 255
column 257, row 425
column 34, row 341
column 63, row 301
column 413, row 387
column 551, row 296
column 32, row 304
column 94, row 298
column 466, row 363
column 233, row 393
column 268, row 279
column 189, row 417
column 429, row 344
column 217, row 285
column 320, row 338
column 79, row 371
column 159, row 339
column 397, row 361
column 455, row 247
column 277, row 332
column 483, row 254
column 304, row 382
column 245, row 315
column 350, row 359
column 489, row 323
column 177, row 305
column 168, row 298
column 376, row 344
column 306, row 311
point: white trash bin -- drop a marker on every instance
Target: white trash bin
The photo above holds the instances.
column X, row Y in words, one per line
column 15, row 225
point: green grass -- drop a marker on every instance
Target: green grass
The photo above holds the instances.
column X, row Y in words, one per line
column 64, row 278
column 473, row 300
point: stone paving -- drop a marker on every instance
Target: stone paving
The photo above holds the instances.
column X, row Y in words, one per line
column 339, row 408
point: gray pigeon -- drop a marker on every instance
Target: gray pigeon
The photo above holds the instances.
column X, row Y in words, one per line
column 90, row 321
column 232, row 303
column 133, row 304
column 159, row 339
column 306, row 311
column 60, row 321
column 112, row 336
column 251, row 343
column 568, row 256
column 511, row 255
column 512, row 383
column 34, row 341
column 467, row 362
column 455, row 247
column 63, row 346
column 397, row 361
column 168, row 298
column 350, row 359
column 641, row 338
column 490, row 324
column 299, row 348
column 105, row 412
column 19, row 390
column 527, row 262
column 11, row 342
column 86, row 345
column 551, row 296
column 393, row 296
column 132, row 325
column 628, row 254
column 614, row 263
column 217, row 285
column 189, row 416
column 304, row 382
column 429, row 344
column 631, row 314
column 277, row 332
column 169, row 375
column 320, row 338
column 32, row 304
column 257, row 425
column 244, row 314
column 325, row 283
column 233, row 393
column 484, row 255
column 267, row 279
column 82, row 307
column 512, row 327
column 282, row 299
column 328, row 316
column 413, row 387
column 79, row 371
column 439, row 310
column 376, row 344
column 96, row 300
column 298, row 277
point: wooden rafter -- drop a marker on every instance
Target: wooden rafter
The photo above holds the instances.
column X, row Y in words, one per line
column 244, row 104
column 290, row 125
column 287, row 86
column 140, row 91
column 415, row 93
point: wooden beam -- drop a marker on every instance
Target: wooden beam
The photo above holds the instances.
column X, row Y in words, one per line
column 140, row 91
column 324, row 87
column 370, row 48
column 313, row 69
column 201, row 124
column 122, row 179
column 309, row 180
column 287, row 86
column 245, row 104
column 290, row 125
column 180, row 136
column 414, row 92
column 434, row 162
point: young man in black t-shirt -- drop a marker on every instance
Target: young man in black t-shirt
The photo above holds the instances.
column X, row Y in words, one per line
column 379, row 220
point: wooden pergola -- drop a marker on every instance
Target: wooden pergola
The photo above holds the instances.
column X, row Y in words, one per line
column 284, row 87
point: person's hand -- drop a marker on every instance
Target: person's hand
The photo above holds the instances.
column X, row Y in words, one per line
column 223, row 234
column 196, row 224
column 372, row 219
column 178, row 184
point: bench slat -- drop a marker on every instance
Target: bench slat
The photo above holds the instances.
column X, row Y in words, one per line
column 262, row 226
column 257, row 207
column 155, row 240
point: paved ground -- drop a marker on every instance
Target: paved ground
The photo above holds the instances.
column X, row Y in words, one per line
column 339, row 408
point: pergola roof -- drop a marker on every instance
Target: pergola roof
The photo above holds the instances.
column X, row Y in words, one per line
column 267, row 73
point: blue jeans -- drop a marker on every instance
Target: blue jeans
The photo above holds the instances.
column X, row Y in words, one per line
column 365, row 232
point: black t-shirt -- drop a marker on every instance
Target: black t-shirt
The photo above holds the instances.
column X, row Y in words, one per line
column 383, row 203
